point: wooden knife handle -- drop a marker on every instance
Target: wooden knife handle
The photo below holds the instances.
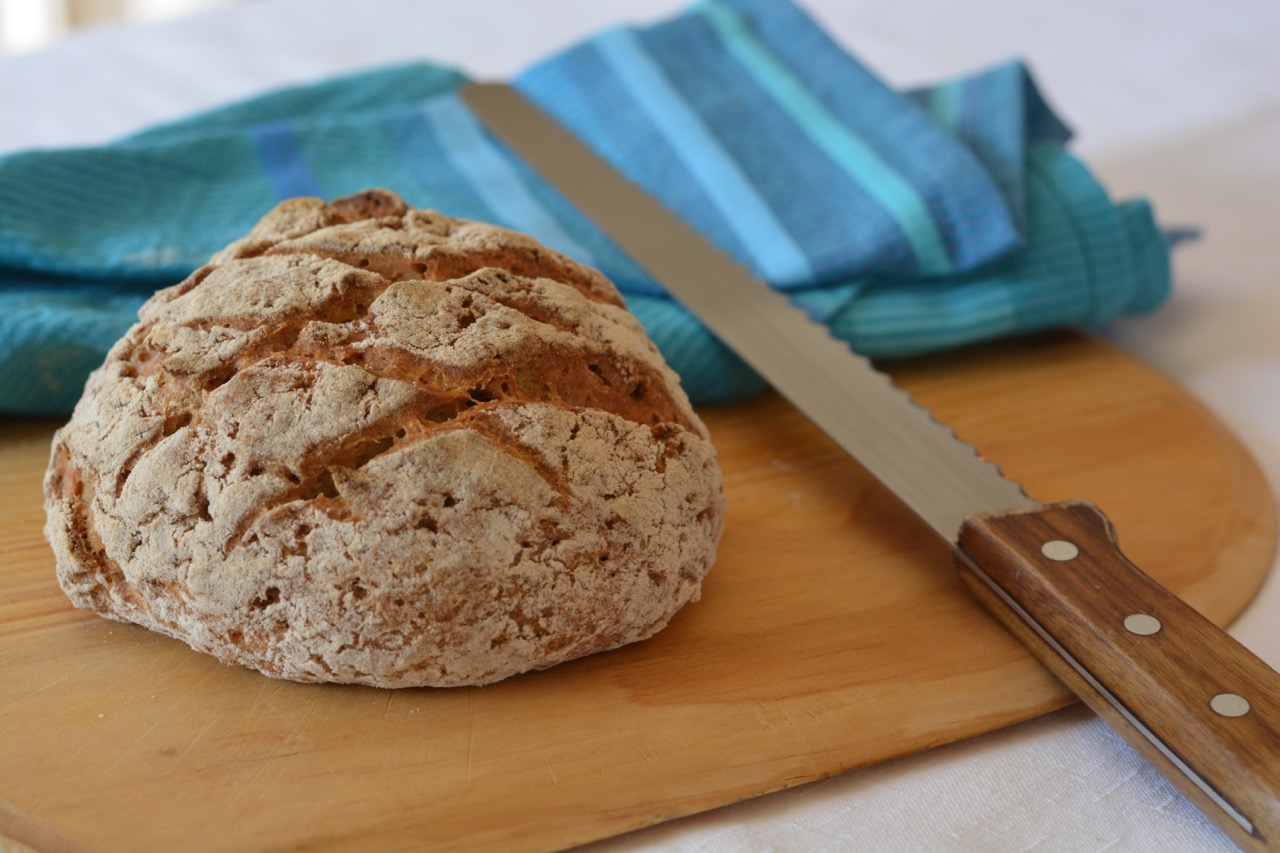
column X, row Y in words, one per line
column 1195, row 703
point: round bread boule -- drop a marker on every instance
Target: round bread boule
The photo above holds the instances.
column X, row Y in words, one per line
column 373, row 444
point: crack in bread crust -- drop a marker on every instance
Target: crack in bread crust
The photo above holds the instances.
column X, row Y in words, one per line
column 372, row 444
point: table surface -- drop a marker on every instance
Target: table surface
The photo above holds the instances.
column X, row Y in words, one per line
column 1176, row 102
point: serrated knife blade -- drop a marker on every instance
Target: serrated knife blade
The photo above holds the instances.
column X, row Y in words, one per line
column 1198, row 705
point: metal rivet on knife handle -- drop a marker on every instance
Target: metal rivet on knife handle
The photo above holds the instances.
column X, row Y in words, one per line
column 1142, row 624
column 1060, row 550
column 1229, row 705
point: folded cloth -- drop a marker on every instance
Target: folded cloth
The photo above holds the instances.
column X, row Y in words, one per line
column 906, row 221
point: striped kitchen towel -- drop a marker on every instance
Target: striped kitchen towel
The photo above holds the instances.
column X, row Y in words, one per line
column 907, row 221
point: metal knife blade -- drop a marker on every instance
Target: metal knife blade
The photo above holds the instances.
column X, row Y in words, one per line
column 1194, row 702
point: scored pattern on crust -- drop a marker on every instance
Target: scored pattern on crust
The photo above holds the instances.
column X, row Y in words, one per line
column 373, row 444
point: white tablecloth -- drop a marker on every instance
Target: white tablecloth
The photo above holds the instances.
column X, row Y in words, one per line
column 1178, row 101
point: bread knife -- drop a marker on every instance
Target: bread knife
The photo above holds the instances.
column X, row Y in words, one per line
column 1194, row 702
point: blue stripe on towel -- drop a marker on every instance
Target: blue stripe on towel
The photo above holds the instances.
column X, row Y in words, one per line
column 964, row 203
column 283, row 163
column 493, row 177
column 881, row 181
column 773, row 250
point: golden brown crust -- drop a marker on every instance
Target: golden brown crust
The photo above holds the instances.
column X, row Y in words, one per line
column 373, row 444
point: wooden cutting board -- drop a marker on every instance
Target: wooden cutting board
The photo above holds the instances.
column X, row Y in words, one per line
column 832, row 634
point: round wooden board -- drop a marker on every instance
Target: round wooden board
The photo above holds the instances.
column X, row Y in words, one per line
column 832, row 634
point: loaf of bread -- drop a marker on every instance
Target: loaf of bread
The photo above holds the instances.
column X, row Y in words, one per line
column 373, row 444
